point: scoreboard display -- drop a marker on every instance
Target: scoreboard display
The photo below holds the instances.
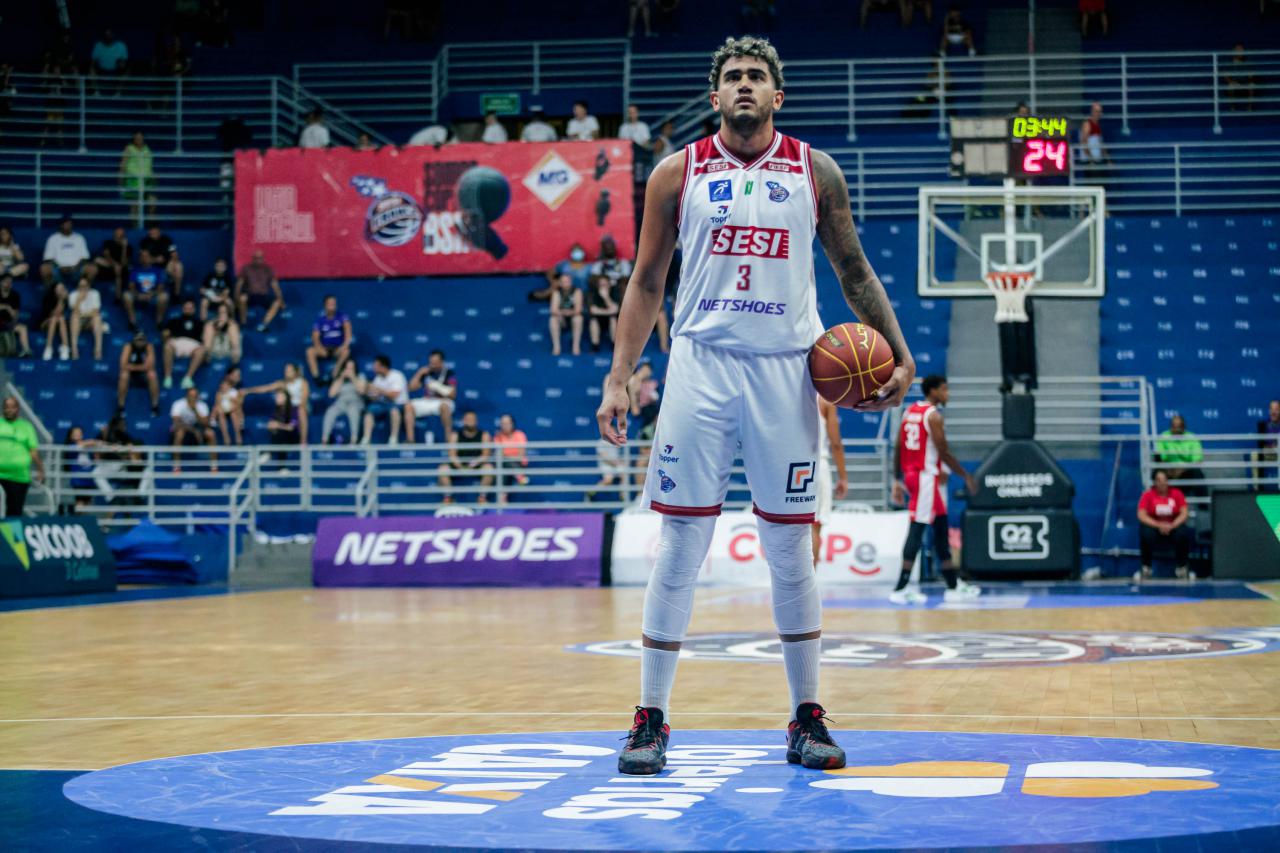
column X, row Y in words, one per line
column 1015, row 147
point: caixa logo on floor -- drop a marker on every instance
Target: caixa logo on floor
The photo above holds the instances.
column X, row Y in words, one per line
column 721, row 790
column 538, row 549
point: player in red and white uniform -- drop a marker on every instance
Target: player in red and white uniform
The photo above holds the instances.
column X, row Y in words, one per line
column 744, row 205
column 924, row 460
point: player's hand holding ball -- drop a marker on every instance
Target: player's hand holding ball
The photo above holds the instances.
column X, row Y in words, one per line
column 853, row 366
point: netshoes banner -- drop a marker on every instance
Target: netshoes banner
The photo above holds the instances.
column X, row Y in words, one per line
column 51, row 555
column 856, row 548
column 458, row 209
column 537, row 549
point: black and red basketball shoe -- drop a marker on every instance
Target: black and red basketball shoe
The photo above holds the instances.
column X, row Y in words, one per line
column 646, row 751
column 808, row 741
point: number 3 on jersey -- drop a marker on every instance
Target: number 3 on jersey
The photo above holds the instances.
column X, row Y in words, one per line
column 744, row 277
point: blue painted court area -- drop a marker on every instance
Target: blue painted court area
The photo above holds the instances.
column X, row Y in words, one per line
column 721, row 791
column 1033, row 596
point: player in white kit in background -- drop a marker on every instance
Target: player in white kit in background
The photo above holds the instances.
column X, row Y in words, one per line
column 744, row 205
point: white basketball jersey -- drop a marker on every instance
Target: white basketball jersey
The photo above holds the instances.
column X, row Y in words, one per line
column 746, row 235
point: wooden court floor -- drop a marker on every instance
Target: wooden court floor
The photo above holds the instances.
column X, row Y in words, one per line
column 95, row 686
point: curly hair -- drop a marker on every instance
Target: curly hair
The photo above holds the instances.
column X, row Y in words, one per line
column 752, row 46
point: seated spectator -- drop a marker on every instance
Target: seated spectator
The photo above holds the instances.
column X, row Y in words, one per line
column 537, row 129
column 575, row 266
column 466, row 454
column 618, row 270
column 439, row 395
column 190, row 418
column 639, row 9
column 387, row 393
column 364, row 142
column 165, row 254
column 316, row 132
column 633, row 129
column 228, row 408
column 216, row 289
column 1269, row 446
column 347, row 391
column 566, row 314
column 1092, row 151
column 258, row 285
column 222, row 337
column 957, row 34
column 138, row 367
column 603, row 305
column 53, row 321
column 434, row 135
column 663, row 145
column 183, row 337
column 1179, row 450
column 110, row 58
column 1163, row 513
column 515, row 454
column 1090, row 9
column 137, row 177
column 65, row 255
column 114, row 258
column 330, row 339
column 78, row 468
column 10, row 312
column 494, row 132
column 12, row 261
column 284, row 425
column 148, row 283
column 583, row 127
column 86, row 315
column 298, row 391
column 1239, row 84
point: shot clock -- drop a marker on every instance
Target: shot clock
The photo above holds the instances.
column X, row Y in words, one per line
column 1019, row 147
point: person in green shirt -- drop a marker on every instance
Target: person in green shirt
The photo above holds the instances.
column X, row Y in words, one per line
column 17, row 454
column 137, row 178
column 1180, row 450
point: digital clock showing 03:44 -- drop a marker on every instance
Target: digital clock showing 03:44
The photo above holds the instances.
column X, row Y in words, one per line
column 1038, row 147
column 1030, row 127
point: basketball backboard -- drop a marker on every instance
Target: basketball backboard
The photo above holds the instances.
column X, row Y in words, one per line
column 1054, row 232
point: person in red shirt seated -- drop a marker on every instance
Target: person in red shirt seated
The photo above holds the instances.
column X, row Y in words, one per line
column 1163, row 513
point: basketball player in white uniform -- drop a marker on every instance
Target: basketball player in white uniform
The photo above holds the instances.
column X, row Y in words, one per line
column 744, row 206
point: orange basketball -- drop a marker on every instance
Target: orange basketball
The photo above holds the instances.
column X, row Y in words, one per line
column 848, row 363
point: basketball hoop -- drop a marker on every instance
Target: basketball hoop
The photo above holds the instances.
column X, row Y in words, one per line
column 1011, row 288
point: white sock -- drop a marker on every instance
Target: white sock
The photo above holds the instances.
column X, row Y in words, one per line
column 657, row 674
column 802, row 659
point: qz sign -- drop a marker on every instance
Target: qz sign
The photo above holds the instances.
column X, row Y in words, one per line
column 1018, row 537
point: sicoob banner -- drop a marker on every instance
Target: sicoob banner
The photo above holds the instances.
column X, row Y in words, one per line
column 459, row 209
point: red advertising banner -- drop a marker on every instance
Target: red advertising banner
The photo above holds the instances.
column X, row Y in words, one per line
column 469, row 208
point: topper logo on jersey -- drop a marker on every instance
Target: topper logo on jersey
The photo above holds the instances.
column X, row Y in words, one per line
column 720, row 190
column 777, row 192
column 722, row 215
column 799, row 476
column 751, row 241
column 665, row 455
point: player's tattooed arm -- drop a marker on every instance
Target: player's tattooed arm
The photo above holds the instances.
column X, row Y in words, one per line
column 861, row 286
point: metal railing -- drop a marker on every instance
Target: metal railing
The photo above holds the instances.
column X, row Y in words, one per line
column 1231, row 461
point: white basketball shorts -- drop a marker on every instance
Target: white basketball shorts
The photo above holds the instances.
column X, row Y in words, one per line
column 716, row 398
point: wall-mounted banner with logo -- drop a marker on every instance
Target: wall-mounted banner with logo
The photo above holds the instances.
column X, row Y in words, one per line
column 537, row 549
column 856, row 548
column 52, row 555
column 458, row 209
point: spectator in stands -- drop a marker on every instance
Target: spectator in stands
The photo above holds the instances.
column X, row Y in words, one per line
column 634, row 129
column 330, row 339
column 86, row 315
column 316, row 133
column 114, row 258
column 663, row 146
column 583, row 127
column 190, row 418
column 642, row 388
column 1092, row 150
column 138, row 367
column 148, row 282
column 364, row 142
column 171, row 58
column 298, row 391
column 434, row 135
column 1163, row 513
column 137, row 178
column 228, row 407
column 465, row 454
column 639, row 9
column 515, row 454
column 1179, row 450
column 164, row 253
column 110, row 58
column 10, row 324
column 439, row 395
column 603, row 305
column 12, row 261
column 1238, row 81
column 494, row 132
column 258, row 285
column 183, row 337
column 957, row 34
column 347, row 391
column 65, row 255
column 284, row 424
column 1269, row 447
column 78, row 468
column 222, row 336
column 537, row 130
column 55, row 80
column 18, row 453
column 215, row 292
column 387, row 393
column 53, row 321
column 566, row 313
column 575, row 266
column 1090, row 10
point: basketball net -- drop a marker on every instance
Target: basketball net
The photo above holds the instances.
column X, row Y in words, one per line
column 1011, row 288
